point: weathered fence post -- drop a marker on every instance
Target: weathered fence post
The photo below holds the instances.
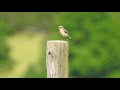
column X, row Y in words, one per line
column 57, row 59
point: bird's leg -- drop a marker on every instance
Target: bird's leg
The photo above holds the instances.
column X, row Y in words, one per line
column 64, row 38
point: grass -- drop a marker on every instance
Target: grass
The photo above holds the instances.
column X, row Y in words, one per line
column 25, row 51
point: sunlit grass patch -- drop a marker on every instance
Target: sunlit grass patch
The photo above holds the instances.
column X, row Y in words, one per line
column 25, row 51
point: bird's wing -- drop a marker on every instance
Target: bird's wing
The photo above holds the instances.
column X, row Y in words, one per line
column 66, row 31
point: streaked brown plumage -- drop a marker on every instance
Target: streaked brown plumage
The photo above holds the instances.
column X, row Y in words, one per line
column 63, row 32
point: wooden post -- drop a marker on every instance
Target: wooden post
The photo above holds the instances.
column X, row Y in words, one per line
column 57, row 59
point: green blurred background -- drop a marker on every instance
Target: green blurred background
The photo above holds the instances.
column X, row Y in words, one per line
column 93, row 53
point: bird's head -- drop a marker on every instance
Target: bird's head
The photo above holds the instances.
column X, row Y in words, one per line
column 60, row 27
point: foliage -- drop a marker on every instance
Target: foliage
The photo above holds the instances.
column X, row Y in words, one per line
column 4, row 48
column 94, row 51
column 23, row 20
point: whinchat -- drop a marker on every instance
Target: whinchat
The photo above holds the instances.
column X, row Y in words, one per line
column 63, row 32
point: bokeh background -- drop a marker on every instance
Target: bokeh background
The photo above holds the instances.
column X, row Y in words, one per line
column 94, row 51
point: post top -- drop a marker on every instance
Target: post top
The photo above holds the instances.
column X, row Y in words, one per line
column 56, row 41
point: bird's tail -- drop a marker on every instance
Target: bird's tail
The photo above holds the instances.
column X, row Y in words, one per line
column 69, row 37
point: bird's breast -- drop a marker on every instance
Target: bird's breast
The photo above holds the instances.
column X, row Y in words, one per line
column 62, row 32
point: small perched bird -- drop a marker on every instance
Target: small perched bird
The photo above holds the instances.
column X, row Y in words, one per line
column 63, row 32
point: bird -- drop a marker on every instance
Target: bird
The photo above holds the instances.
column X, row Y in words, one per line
column 64, row 32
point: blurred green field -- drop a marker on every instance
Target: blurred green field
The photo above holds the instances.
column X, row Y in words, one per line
column 25, row 51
